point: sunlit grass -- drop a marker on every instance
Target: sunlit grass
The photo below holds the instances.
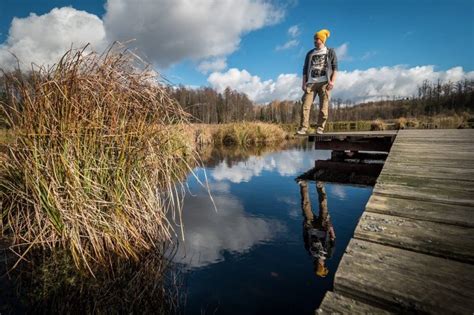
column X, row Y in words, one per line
column 98, row 150
column 242, row 133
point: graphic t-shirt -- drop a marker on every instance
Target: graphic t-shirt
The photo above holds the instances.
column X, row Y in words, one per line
column 317, row 66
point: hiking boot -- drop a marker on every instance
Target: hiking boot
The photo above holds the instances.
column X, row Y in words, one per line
column 319, row 131
column 302, row 131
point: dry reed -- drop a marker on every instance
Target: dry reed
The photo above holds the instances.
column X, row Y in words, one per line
column 97, row 153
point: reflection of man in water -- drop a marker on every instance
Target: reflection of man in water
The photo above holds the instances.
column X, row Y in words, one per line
column 318, row 232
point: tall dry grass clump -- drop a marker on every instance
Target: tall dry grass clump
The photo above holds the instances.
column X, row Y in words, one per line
column 95, row 160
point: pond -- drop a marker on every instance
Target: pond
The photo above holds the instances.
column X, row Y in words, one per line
column 247, row 251
column 260, row 242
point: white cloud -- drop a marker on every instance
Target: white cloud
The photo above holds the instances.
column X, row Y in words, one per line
column 217, row 64
column 294, row 31
column 164, row 31
column 289, row 44
column 286, row 86
column 44, row 39
column 342, row 52
column 358, row 85
column 168, row 31
column 385, row 82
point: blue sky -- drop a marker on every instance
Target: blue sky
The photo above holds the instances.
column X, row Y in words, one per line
column 386, row 48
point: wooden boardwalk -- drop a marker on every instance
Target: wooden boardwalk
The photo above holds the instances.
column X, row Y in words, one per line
column 413, row 248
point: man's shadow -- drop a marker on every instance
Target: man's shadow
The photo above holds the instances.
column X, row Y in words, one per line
column 318, row 231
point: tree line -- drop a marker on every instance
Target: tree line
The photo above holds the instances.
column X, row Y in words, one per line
column 433, row 98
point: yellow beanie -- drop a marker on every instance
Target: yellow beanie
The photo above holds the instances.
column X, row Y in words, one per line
column 322, row 35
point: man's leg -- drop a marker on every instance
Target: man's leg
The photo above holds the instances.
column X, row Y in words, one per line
column 308, row 99
column 323, row 105
column 306, row 203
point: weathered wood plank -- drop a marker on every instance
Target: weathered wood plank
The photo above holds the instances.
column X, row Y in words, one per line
column 438, row 141
column 403, row 280
column 436, row 133
column 444, row 240
column 424, row 193
column 428, row 171
column 446, row 149
column 434, row 153
column 440, row 161
column 334, row 303
column 422, row 210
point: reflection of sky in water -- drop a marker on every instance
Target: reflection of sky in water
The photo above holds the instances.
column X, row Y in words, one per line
column 209, row 230
column 286, row 163
column 248, row 257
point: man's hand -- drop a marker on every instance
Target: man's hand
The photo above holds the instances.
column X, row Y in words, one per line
column 330, row 85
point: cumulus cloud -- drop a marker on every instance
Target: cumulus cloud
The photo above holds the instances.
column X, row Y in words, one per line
column 385, row 82
column 285, row 87
column 45, row 38
column 358, row 85
column 168, row 31
column 164, row 31
column 217, row 64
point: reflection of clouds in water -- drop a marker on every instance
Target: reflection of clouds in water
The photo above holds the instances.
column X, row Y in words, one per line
column 286, row 163
column 209, row 233
column 338, row 191
column 242, row 171
column 219, row 187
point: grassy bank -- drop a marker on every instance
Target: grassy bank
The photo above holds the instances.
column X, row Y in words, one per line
column 241, row 134
column 424, row 122
column 98, row 150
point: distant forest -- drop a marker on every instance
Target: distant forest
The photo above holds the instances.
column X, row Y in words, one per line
column 208, row 106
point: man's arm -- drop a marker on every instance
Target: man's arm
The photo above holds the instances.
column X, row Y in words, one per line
column 305, row 70
column 332, row 80
column 334, row 65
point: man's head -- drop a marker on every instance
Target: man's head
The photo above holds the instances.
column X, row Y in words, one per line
column 320, row 37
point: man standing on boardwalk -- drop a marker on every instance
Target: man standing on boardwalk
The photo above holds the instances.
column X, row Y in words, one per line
column 319, row 76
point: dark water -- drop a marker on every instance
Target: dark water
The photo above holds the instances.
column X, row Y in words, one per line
column 244, row 252
column 247, row 255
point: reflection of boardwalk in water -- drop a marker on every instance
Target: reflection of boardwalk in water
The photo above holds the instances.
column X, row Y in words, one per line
column 413, row 249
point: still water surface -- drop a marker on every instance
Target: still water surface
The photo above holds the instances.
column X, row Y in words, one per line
column 247, row 254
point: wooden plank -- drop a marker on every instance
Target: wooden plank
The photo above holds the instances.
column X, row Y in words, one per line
column 438, row 239
column 334, row 303
column 432, row 161
column 405, row 281
column 428, row 171
column 436, row 133
column 446, row 194
column 444, row 140
column 422, row 210
column 428, row 156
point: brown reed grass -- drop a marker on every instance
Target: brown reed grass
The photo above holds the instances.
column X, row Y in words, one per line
column 97, row 153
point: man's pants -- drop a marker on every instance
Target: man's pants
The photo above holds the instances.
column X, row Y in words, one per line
column 308, row 99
